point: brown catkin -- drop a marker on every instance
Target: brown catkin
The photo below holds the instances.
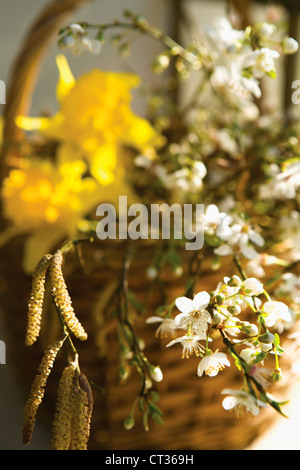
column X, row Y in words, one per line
column 80, row 420
column 35, row 306
column 62, row 297
column 61, row 428
column 38, row 389
column 85, row 385
column 82, row 413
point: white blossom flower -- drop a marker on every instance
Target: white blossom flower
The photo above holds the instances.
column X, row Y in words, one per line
column 229, row 79
column 261, row 61
column 231, row 303
column 240, row 241
column 262, row 375
column 223, row 34
column 212, row 364
column 187, row 179
column 248, row 354
column 190, row 344
column 241, row 401
column 282, row 184
column 226, row 142
column 255, row 267
column 194, row 311
column 290, row 286
column 166, row 328
column 291, row 174
column 252, row 287
column 78, row 41
column 216, row 222
column 276, row 313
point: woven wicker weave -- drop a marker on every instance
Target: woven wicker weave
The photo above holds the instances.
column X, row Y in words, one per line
column 193, row 414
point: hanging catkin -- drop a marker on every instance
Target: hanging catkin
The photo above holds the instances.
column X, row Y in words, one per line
column 82, row 413
column 80, row 420
column 62, row 297
column 35, row 306
column 38, row 389
column 62, row 422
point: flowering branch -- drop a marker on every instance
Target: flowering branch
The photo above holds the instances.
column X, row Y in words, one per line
column 132, row 353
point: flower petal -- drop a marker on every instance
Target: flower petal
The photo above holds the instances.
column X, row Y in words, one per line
column 66, row 78
column 201, row 300
column 184, row 304
column 180, row 319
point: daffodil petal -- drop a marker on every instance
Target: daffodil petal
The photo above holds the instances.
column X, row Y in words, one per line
column 142, row 134
column 66, row 79
column 103, row 164
column 32, row 123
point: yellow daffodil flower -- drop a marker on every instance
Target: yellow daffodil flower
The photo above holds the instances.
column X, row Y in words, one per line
column 95, row 120
column 48, row 203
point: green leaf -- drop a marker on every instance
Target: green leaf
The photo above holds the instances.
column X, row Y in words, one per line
column 260, row 357
column 154, row 409
column 279, row 349
column 100, row 36
column 145, row 420
column 155, row 396
column 275, row 404
column 157, row 418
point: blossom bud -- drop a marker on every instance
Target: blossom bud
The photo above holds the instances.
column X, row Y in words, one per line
column 66, row 41
column 266, row 338
column 148, row 383
column 156, row 374
column 266, row 30
column 152, row 273
column 252, row 286
column 129, row 423
column 234, row 281
column 266, row 346
column 76, row 28
column 234, row 309
column 250, row 329
column 289, row 45
column 277, row 375
column 217, row 317
column 123, row 373
column 220, row 299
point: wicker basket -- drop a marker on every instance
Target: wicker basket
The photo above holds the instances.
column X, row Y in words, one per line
column 193, row 414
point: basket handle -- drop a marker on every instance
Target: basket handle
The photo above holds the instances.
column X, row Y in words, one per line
column 28, row 62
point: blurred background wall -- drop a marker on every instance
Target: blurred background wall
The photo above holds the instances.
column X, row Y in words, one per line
column 15, row 18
